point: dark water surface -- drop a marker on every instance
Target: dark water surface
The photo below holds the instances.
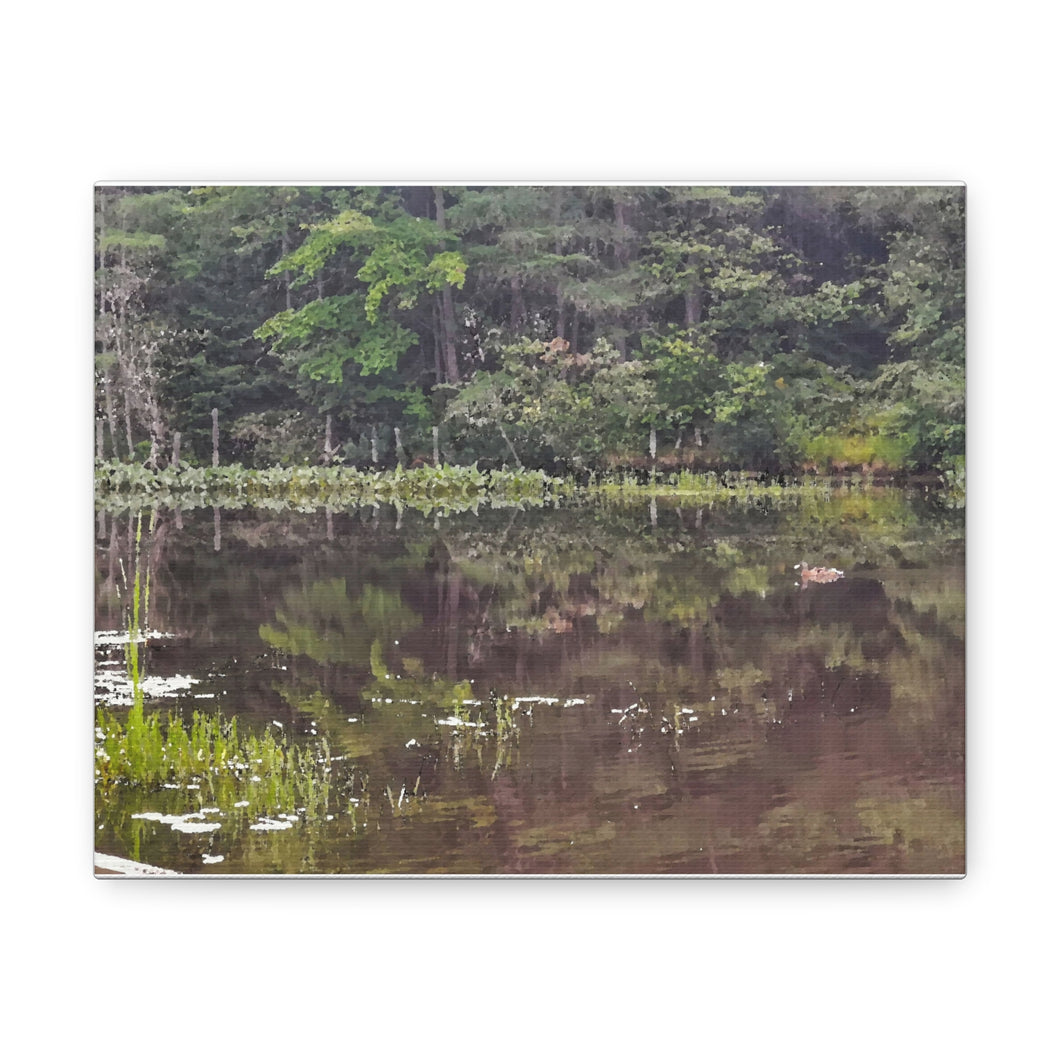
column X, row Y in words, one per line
column 591, row 690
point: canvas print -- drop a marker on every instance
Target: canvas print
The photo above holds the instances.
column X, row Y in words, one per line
column 509, row 530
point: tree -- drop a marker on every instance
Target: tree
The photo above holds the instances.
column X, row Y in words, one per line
column 128, row 339
column 549, row 406
column 371, row 264
column 779, row 326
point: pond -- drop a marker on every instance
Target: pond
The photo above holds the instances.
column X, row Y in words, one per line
column 590, row 689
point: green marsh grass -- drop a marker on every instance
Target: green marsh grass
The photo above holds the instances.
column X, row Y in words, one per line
column 158, row 751
column 209, row 753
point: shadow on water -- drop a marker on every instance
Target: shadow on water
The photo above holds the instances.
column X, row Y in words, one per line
column 601, row 688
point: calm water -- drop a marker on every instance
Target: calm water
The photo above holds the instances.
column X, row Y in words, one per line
column 593, row 690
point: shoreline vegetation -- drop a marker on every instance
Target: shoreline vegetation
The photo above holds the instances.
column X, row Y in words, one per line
column 771, row 329
column 455, row 487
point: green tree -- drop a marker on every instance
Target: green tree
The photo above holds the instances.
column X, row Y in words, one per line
column 371, row 264
column 129, row 336
column 776, row 326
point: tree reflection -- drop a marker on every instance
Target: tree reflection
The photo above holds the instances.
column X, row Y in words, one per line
column 580, row 690
column 322, row 622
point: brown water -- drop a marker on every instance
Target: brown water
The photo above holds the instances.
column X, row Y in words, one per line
column 593, row 690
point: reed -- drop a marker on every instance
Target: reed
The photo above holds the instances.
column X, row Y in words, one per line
column 158, row 751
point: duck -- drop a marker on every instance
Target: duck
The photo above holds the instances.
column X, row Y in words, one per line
column 818, row 574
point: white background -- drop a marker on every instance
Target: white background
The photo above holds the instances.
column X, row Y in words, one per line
column 457, row 93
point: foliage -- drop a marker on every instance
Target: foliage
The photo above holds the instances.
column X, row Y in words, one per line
column 129, row 485
column 152, row 750
column 754, row 328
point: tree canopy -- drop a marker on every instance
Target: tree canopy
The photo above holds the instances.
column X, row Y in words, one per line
column 761, row 328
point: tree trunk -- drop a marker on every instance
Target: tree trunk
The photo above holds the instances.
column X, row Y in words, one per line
column 108, row 391
column 557, row 247
column 216, row 439
column 101, row 199
column 439, row 375
column 175, row 462
column 621, row 245
column 452, row 369
column 158, row 430
column 112, row 418
column 128, row 422
column 693, row 307
column 518, row 304
column 119, row 318
column 284, row 245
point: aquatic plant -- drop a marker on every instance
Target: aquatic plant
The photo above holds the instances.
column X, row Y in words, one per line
column 208, row 754
column 710, row 488
column 233, row 486
column 448, row 488
column 156, row 751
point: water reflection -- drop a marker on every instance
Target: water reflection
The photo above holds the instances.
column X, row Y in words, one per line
column 595, row 689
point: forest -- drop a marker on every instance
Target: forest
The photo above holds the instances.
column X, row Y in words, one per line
column 571, row 329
